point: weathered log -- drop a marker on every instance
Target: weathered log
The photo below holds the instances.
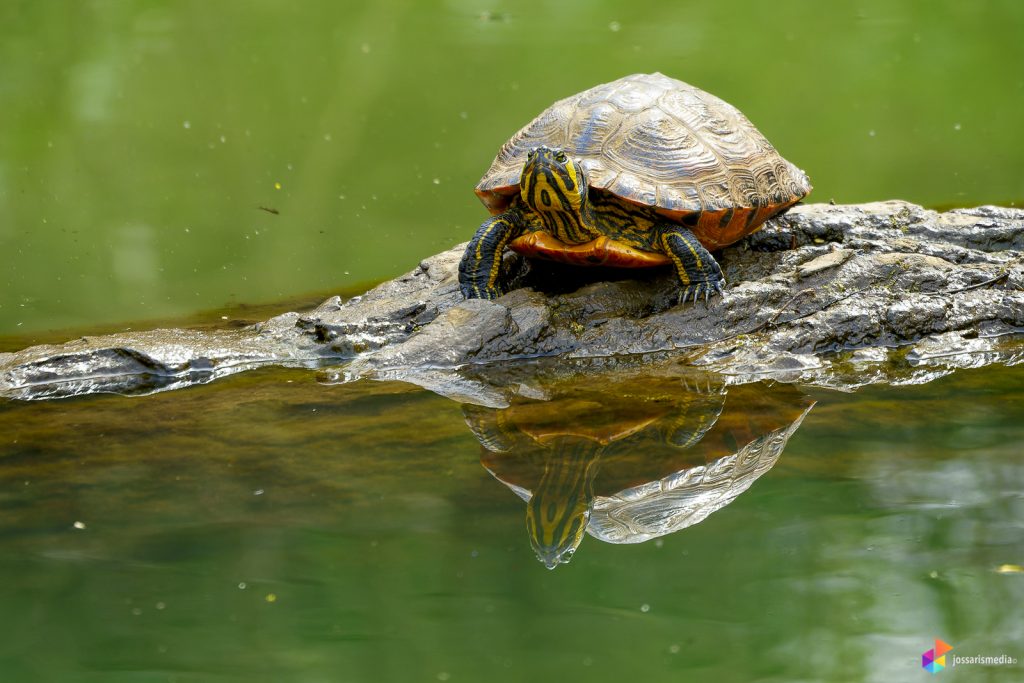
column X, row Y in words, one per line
column 833, row 295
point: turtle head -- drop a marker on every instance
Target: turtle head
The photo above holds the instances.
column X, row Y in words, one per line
column 559, row 511
column 556, row 528
column 553, row 182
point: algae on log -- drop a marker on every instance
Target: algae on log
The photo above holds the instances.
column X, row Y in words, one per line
column 832, row 295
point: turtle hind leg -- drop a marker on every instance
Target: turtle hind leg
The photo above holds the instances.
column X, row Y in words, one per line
column 481, row 262
column 699, row 273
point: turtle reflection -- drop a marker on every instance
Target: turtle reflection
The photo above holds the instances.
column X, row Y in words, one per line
column 628, row 460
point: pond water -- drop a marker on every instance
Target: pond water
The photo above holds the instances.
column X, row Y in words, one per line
column 141, row 139
column 275, row 527
column 278, row 526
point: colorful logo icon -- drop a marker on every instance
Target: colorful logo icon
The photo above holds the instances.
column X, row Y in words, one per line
column 934, row 661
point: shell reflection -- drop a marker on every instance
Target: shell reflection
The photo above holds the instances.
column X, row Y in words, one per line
column 630, row 459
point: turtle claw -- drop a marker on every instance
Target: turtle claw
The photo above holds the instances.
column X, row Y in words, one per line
column 695, row 290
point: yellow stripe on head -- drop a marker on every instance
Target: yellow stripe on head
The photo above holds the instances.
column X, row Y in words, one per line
column 554, row 186
column 551, row 181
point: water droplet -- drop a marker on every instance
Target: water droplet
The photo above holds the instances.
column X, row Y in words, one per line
column 645, row 608
column 673, row 648
column 161, row 605
column 614, row 26
column 277, row 186
column 136, row 611
column 242, row 585
column 271, row 597
column 258, row 492
column 437, row 181
column 327, row 137
column 956, row 126
column 186, row 124
column 79, row 525
column 365, row 48
column 443, row 676
column 871, row 133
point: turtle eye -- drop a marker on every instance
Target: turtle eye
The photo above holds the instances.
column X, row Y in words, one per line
column 560, row 157
column 532, row 153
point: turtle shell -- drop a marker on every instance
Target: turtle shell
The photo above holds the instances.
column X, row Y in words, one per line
column 661, row 143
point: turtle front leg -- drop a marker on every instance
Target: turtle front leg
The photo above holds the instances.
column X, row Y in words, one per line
column 697, row 269
column 481, row 264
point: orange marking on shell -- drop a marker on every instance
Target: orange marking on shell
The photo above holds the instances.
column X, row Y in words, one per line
column 599, row 252
column 714, row 237
column 498, row 200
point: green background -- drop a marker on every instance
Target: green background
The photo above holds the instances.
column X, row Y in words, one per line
column 139, row 139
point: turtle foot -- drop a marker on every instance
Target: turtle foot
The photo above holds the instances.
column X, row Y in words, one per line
column 472, row 291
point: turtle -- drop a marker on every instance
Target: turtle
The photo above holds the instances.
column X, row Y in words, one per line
column 566, row 436
column 640, row 172
column 628, row 458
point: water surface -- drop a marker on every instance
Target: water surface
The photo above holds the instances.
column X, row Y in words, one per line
column 142, row 139
column 271, row 527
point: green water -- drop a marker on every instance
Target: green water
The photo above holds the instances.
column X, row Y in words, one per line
column 275, row 527
column 271, row 528
column 141, row 137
